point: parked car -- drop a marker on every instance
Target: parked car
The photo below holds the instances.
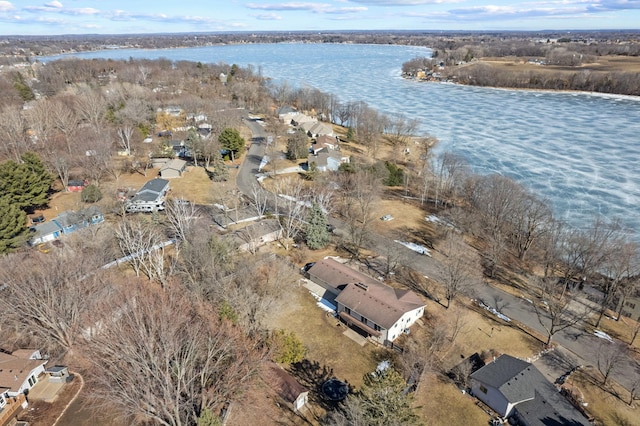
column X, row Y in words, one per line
column 386, row 217
column 36, row 219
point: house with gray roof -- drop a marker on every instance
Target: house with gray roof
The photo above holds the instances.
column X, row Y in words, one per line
column 150, row 197
column 66, row 223
column 517, row 390
column 368, row 306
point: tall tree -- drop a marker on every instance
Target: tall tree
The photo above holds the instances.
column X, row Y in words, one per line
column 380, row 401
column 166, row 359
column 13, row 230
column 297, row 146
column 316, row 232
column 26, row 184
column 231, row 140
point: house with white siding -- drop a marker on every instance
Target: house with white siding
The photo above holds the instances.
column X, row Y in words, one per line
column 368, row 306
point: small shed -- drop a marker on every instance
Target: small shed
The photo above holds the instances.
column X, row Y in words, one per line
column 173, row 169
column 287, row 387
column 76, row 185
column 57, row 374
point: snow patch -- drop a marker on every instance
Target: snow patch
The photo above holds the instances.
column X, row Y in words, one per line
column 415, row 247
column 603, row 335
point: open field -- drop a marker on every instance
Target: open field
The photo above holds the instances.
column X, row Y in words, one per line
column 604, row 64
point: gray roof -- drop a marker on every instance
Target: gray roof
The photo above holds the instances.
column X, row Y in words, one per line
column 47, row 228
column 155, row 185
column 538, row 401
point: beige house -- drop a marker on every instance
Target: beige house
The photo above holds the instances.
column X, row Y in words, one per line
column 173, row 169
column 368, row 306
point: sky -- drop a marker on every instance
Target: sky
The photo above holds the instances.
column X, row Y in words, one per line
column 34, row 17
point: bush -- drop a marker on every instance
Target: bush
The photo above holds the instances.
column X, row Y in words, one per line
column 396, row 175
column 288, row 348
column 91, row 194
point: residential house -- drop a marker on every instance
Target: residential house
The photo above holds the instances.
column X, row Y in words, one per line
column 325, row 142
column 517, row 390
column 66, row 223
column 20, row 371
column 372, row 308
column 327, row 160
column 76, row 185
column 318, row 129
column 294, row 395
column 300, row 120
column 257, row 234
column 173, row 169
column 150, row 197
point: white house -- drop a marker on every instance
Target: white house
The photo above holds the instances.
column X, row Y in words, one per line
column 150, row 198
column 20, row 371
column 372, row 308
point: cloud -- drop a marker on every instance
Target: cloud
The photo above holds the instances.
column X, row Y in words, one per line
column 404, row 2
column 6, row 6
column 267, row 17
column 309, row 7
column 54, row 4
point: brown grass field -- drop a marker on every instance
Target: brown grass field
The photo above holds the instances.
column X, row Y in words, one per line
column 604, row 64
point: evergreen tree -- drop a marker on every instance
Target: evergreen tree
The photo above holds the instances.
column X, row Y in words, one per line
column 297, row 146
column 396, row 175
column 317, row 234
column 219, row 171
column 207, row 418
column 231, row 140
column 91, row 194
column 380, row 402
column 27, row 184
column 13, row 230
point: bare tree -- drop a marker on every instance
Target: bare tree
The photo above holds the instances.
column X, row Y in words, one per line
column 143, row 248
column 617, row 268
column 460, row 270
column 557, row 312
column 293, row 208
column 52, row 295
column 398, row 132
column 259, row 199
column 13, row 133
column 361, row 191
column 165, row 359
column 181, row 215
column 610, row 358
column 91, row 106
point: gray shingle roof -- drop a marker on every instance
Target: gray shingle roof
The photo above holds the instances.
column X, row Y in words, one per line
column 538, row 401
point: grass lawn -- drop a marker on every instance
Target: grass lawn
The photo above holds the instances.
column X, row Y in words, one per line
column 608, row 409
column 442, row 403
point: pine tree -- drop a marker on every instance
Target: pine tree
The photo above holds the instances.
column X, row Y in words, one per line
column 381, row 401
column 13, row 230
column 231, row 140
column 219, row 171
column 317, row 234
column 27, row 184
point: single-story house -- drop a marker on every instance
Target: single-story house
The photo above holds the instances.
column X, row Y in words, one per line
column 76, row 185
column 318, row 129
column 257, row 234
column 173, row 169
column 325, row 142
column 150, row 197
column 372, row 308
column 287, row 387
column 516, row 389
column 327, row 160
column 66, row 223
column 302, row 120
column 19, row 371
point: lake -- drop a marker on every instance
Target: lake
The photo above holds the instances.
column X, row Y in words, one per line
column 580, row 151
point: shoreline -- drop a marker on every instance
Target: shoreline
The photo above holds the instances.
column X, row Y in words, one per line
column 547, row 91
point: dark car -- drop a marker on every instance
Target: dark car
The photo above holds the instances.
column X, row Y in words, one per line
column 36, row 219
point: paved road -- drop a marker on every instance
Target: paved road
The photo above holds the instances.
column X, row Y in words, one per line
column 583, row 346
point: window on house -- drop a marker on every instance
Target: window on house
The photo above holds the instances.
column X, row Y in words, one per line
column 376, row 327
column 347, row 310
column 483, row 389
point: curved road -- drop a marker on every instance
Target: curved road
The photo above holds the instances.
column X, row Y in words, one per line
column 582, row 345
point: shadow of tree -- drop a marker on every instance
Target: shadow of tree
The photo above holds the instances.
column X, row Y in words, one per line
column 312, row 375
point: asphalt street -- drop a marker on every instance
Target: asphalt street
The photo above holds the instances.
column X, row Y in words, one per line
column 580, row 347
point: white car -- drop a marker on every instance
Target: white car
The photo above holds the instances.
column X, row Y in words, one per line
column 386, row 217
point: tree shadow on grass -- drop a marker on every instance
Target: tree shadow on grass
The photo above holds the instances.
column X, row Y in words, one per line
column 312, row 375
